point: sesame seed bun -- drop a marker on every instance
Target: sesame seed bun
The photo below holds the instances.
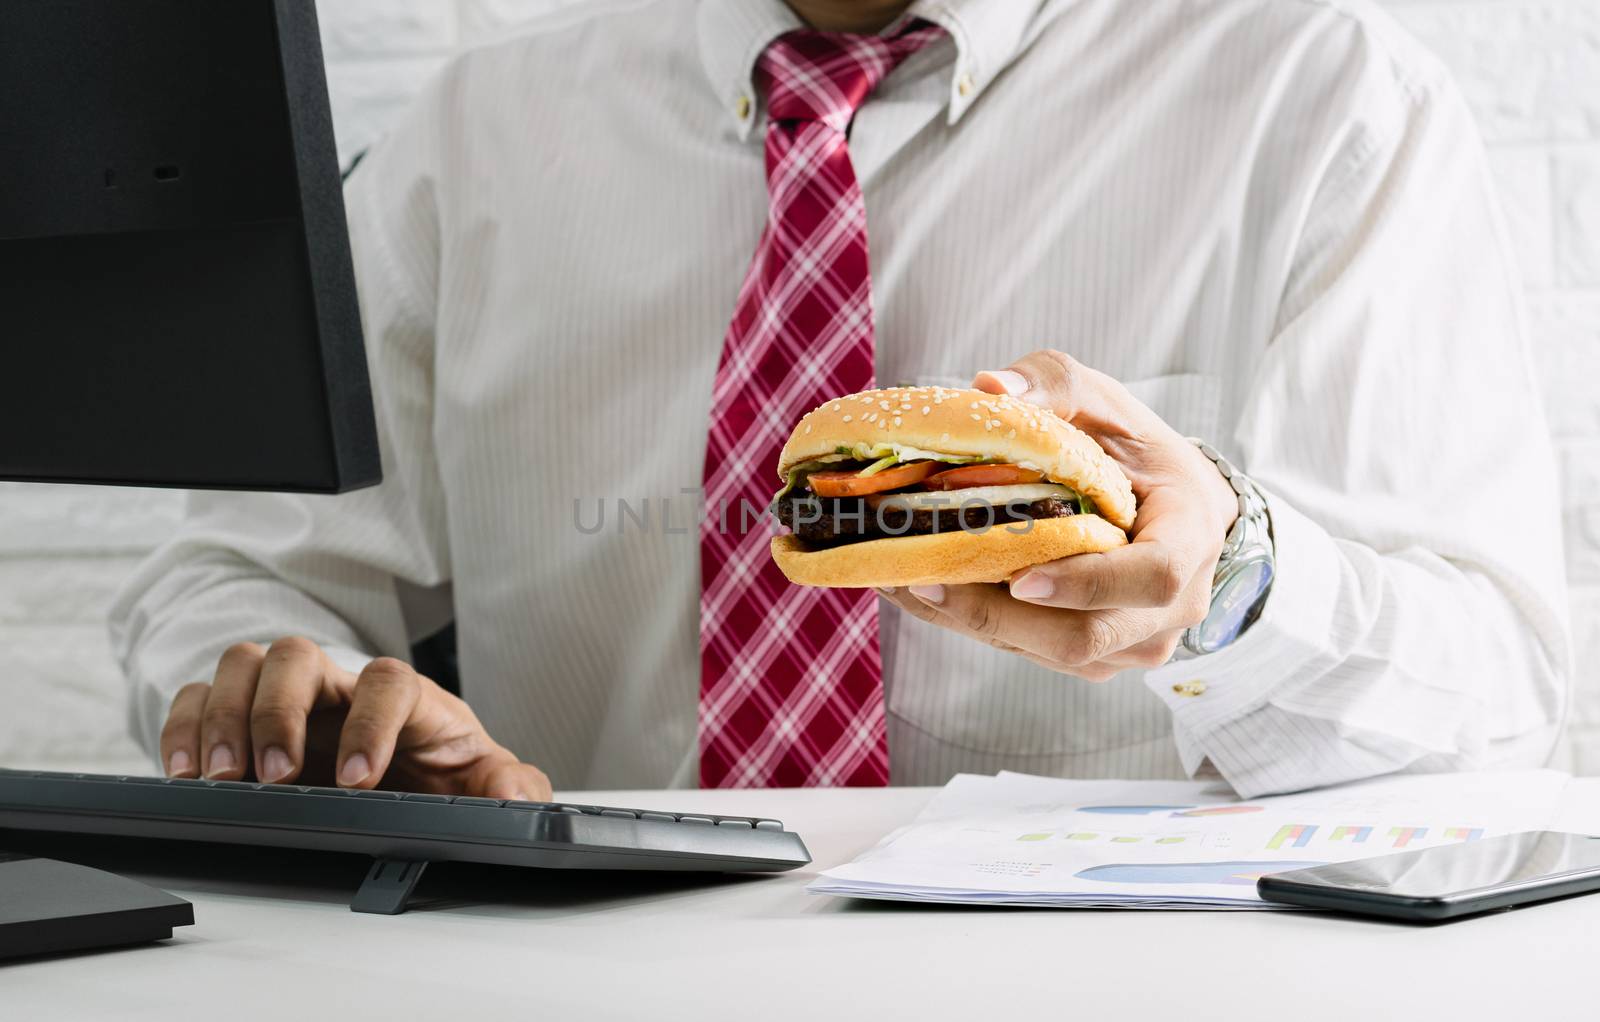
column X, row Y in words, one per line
column 972, row 423
column 945, row 558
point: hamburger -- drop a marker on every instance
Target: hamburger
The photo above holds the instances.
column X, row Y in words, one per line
column 933, row 485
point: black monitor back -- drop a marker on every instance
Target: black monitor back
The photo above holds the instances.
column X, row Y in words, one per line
column 177, row 306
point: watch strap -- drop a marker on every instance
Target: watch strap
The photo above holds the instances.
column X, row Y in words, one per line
column 1250, row 534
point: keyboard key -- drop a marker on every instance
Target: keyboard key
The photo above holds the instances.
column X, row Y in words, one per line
column 389, row 796
column 573, row 810
column 145, row 780
column 768, row 825
column 468, row 800
column 284, row 789
column 419, row 797
column 341, row 792
column 625, row 814
column 694, row 819
column 543, row 807
column 235, row 785
column 735, row 824
column 659, row 817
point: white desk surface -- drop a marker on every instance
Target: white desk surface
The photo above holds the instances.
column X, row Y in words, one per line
column 285, row 947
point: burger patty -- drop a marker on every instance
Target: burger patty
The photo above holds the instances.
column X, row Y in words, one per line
column 850, row 520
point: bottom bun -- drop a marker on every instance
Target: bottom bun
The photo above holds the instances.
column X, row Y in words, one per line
column 946, row 558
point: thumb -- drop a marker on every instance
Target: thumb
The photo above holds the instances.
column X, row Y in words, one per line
column 1051, row 379
column 1126, row 428
column 1088, row 399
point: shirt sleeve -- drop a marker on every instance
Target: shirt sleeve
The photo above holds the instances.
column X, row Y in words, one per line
column 1418, row 618
column 361, row 574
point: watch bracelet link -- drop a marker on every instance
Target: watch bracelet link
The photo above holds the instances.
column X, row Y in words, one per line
column 1251, row 503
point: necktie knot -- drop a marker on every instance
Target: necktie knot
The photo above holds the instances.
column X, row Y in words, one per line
column 826, row 76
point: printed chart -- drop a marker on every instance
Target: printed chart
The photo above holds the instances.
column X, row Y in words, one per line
column 1013, row 839
column 1131, row 810
column 1192, row 812
column 1116, row 839
column 1203, row 811
column 1231, row 873
column 1299, row 835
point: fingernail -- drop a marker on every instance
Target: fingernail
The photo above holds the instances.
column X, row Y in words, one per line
column 275, row 764
column 1035, row 585
column 928, row 594
column 221, row 761
column 355, row 770
column 1012, row 383
column 179, row 763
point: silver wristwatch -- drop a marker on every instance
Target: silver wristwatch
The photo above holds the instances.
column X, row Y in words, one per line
column 1244, row 572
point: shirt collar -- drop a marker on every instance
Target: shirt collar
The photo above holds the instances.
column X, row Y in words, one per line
column 988, row 35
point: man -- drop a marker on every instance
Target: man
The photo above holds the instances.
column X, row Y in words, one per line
column 1265, row 223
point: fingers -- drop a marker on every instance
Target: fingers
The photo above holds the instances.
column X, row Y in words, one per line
column 386, row 694
column 1152, row 652
column 292, row 677
column 511, row 779
column 1144, row 574
column 257, row 710
column 1065, row 640
column 1073, row 647
column 225, row 721
column 180, row 736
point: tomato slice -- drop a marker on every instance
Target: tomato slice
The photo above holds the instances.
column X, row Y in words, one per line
column 982, row 475
column 850, row 484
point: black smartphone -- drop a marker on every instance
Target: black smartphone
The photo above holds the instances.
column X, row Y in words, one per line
column 1447, row 881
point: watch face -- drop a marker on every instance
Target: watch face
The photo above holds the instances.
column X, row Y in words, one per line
column 1234, row 605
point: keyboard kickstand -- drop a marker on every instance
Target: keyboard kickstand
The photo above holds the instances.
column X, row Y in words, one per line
column 388, row 887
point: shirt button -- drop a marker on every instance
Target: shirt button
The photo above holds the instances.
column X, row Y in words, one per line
column 1190, row 688
column 741, row 107
column 964, row 85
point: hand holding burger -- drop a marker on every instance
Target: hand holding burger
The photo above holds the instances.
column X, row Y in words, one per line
column 933, row 485
column 1089, row 605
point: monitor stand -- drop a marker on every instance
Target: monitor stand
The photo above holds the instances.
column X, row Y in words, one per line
column 48, row 906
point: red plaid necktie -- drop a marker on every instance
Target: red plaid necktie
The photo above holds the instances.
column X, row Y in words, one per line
column 791, row 685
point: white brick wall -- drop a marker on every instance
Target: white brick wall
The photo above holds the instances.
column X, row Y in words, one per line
column 1530, row 68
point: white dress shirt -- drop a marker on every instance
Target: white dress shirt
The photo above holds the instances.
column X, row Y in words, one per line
column 1270, row 218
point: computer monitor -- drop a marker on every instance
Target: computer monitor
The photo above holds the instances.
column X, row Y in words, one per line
column 177, row 305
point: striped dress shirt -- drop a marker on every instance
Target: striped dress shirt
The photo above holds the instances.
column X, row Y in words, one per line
column 1270, row 218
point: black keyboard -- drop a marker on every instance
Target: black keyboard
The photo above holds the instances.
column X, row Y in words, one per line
column 402, row 831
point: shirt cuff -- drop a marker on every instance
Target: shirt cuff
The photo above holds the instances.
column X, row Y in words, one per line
column 1209, row 693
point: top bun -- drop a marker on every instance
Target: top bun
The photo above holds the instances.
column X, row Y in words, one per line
column 971, row 423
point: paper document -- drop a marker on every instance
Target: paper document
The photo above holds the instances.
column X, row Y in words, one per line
column 1013, row 839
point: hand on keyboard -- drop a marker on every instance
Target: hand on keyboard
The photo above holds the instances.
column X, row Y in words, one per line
column 289, row 713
